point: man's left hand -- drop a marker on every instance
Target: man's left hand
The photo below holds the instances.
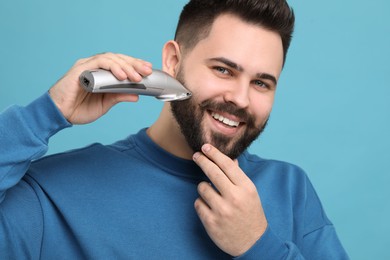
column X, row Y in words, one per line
column 231, row 211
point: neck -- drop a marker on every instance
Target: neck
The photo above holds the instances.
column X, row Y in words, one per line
column 166, row 133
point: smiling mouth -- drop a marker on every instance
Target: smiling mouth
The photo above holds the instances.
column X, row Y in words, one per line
column 225, row 120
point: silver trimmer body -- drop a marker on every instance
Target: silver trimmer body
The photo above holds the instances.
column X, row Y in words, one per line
column 158, row 84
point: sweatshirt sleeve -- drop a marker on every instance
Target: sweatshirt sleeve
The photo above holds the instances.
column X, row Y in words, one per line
column 317, row 236
column 269, row 246
column 320, row 244
column 24, row 135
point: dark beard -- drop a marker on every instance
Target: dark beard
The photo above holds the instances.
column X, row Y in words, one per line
column 189, row 116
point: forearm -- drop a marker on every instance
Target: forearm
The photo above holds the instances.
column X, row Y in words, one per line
column 24, row 136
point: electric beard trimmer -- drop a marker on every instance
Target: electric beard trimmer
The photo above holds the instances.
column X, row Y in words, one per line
column 158, row 84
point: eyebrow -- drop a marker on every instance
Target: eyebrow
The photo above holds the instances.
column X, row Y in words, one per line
column 239, row 68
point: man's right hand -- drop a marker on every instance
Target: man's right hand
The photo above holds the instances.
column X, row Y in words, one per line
column 81, row 107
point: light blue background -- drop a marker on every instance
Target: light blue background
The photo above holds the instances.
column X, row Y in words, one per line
column 331, row 116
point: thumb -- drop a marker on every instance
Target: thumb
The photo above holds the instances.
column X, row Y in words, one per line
column 111, row 99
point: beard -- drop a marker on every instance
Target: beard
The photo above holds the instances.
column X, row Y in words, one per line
column 189, row 115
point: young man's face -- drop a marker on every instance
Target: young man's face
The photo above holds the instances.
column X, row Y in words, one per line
column 232, row 74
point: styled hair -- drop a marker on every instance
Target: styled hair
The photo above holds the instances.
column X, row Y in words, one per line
column 197, row 18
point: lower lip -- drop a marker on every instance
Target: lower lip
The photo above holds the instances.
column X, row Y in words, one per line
column 222, row 128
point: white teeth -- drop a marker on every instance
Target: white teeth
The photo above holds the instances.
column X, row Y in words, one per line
column 225, row 120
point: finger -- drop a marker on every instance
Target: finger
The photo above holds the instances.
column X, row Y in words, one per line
column 236, row 162
column 101, row 61
column 122, row 66
column 82, row 61
column 135, row 68
column 119, row 67
column 213, row 172
column 226, row 164
column 203, row 211
column 111, row 99
column 115, row 98
column 209, row 195
column 131, row 60
column 135, row 72
column 122, row 97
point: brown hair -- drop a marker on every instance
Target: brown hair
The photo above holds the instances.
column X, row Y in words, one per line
column 197, row 17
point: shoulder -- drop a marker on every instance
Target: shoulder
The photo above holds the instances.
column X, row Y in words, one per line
column 88, row 155
column 88, row 160
column 284, row 181
column 255, row 165
column 277, row 178
column 75, row 156
column 86, row 169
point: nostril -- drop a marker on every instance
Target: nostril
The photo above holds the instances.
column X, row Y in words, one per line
column 238, row 98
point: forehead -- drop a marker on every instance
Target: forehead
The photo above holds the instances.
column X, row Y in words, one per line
column 250, row 45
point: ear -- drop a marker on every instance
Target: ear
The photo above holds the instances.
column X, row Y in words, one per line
column 171, row 57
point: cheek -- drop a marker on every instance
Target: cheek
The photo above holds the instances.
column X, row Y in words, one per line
column 261, row 107
column 204, row 88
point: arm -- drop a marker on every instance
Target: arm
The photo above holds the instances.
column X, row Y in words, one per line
column 322, row 243
column 25, row 131
column 24, row 135
column 233, row 216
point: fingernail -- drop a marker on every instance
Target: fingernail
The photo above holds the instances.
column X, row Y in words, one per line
column 206, row 148
column 148, row 68
column 196, row 156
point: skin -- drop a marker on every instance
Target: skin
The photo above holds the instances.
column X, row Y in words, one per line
column 238, row 63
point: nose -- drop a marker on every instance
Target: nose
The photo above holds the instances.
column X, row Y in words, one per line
column 238, row 94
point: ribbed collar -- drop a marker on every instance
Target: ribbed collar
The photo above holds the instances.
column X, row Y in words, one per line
column 165, row 160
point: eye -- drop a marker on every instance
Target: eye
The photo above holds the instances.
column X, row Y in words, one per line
column 261, row 84
column 222, row 70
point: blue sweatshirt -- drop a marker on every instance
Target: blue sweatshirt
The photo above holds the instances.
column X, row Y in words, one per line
column 133, row 200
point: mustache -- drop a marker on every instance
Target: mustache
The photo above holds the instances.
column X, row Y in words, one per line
column 229, row 108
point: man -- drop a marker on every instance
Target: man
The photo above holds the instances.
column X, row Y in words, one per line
column 185, row 187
